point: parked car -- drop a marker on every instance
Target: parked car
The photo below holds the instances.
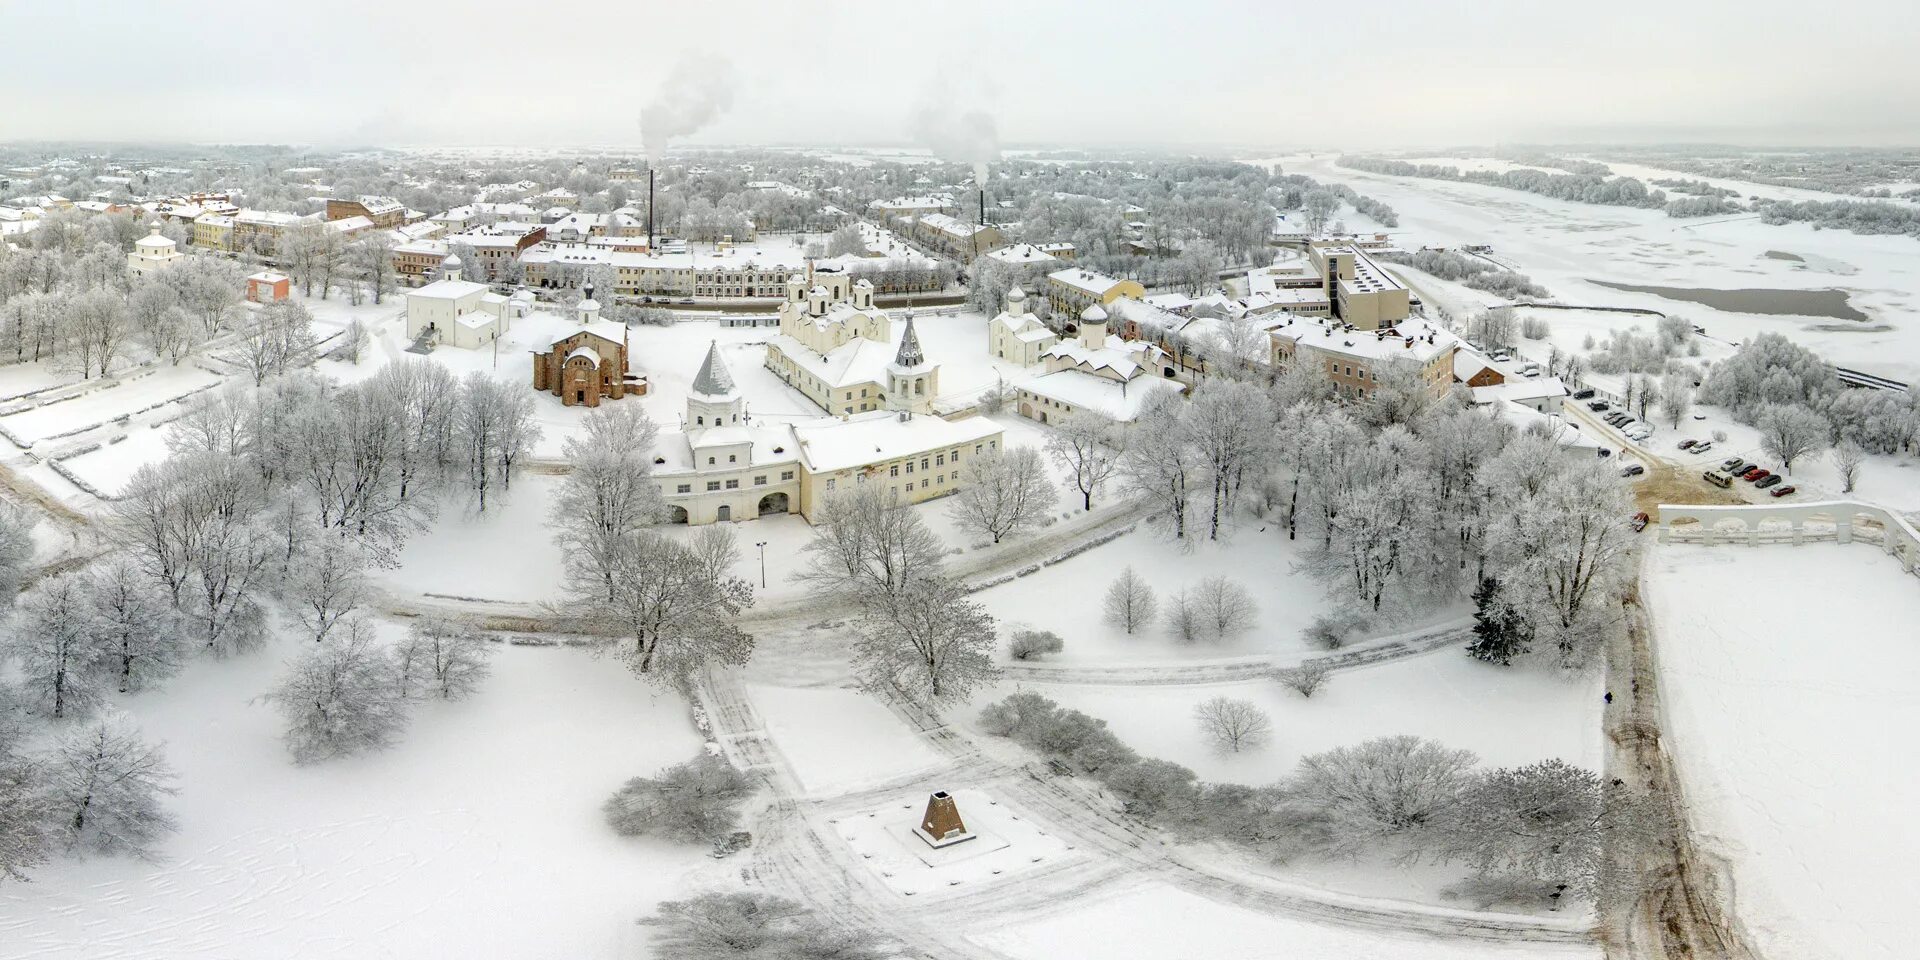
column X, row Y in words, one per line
column 1638, row 431
column 1582, row 394
column 1640, row 521
column 1502, row 356
column 1703, row 446
column 1632, row 470
column 1754, row 474
column 1781, row 491
column 1687, row 444
column 1599, row 406
column 1733, row 465
column 1717, row 478
column 1616, row 417
column 1767, row 481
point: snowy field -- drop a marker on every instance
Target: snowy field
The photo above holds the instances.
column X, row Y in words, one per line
column 99, row 406
column 1159, row 922
column 478, row 836
column 110, row 467
column 1566, row 245
column 1066, row 597
column 1791, row 718
column 839, row 740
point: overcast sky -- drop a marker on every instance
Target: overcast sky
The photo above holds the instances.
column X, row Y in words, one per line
column 1381, row 73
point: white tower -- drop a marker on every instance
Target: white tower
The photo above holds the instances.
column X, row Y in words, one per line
column 912, row 382
column 714, row 401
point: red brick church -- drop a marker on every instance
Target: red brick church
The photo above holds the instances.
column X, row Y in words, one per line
column 586, row 367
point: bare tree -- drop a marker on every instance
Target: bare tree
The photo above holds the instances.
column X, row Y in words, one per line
column 339, row 697
column 926, row 644
column 1230, row 430
column 26, row 831
column 1847, row 458
column 1184, row 618
column 1129, row 602
column 1544, row 823
column 105, row 783
column 1004, row 493
column 441, row 658
column 1233, row 725
column 693, row 802
column 1084, row 445
column 1225, row 608
column 370, row 256
column 493, row 429
column 277, row 339
column 1160, row 464
column 1307, row 678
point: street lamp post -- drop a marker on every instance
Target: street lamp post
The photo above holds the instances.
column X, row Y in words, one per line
column 763, row 563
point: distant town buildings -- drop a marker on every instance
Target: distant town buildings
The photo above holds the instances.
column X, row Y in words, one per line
column 383, row 212
column 1354, row 358
column 1070, row 292
column 1096, row 372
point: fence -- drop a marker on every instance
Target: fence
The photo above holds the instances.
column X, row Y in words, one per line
column 1841, row 521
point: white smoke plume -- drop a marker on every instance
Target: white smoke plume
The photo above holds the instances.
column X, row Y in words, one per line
column 970, row 138
column 695, row 94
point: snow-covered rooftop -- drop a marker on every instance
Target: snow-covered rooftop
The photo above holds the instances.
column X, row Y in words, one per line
column 1111, row 398
column 835, row 444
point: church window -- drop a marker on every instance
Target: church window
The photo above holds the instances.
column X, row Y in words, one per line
column 685, row 488
column 733, row 458
column 786, row 474
column 760, row 481
column 733, row 484
column 713, row 484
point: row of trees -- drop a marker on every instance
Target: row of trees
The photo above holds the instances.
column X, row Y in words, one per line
column 1537, row 831
column 1578, row 187
column 1467, row 270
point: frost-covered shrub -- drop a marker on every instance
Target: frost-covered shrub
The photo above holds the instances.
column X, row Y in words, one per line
column 1028, row 644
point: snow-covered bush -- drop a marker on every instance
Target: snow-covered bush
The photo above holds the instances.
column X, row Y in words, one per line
column 1233, row 724
column 1028, row 644
column 1307, row 678
column 695, row 802
column 340, row 697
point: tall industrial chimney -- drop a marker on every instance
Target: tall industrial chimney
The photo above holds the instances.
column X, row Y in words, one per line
column 649, row 205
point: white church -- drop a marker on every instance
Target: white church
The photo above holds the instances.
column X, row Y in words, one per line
column 460, row 313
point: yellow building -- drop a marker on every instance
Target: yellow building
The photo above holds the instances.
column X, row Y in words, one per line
column 212, row 231
column 1362, row 294
column 1071, row 292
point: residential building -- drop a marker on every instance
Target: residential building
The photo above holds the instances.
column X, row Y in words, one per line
column 956, row 238
column 260, row 230
column 384, row 212
column 213, row 231
column 417, row 262
column 497, row 245
column 1070, row 292
column 1354, row 358
column 911, row 206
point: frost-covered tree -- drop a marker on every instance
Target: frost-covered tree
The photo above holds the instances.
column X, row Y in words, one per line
column 104, row 785
column 1790, row 431
column 137, row 635
column 1563, row 554
column 1085, row 445
column 1384, row 787
column 1500, row 633
column 16, row 549
column 1676, row 398
column 1847, row 457
column 370, row 256
column 1307, row 678
column 1183, row 617
column 51, row 639
column 1543, row 823
column 494, row 429
column 673, row 607
column 1768, row 369
column 339, row 697
column 1233, row 725
column 926, row 644
column 275, row 340
column 328, row 582
column 1229, row 429
column 846, row 241
column 1130, row 604
column 1225, row 608
column 1319, row 206
column 750, row 926
column 441, row 658
column 609, row 494
column 867, row 547
column 26, row 833
column 1005, row 493
column 693, row 802
column 1160, row 464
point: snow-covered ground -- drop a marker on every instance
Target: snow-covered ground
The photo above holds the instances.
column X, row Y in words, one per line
column 480, row 835
column 1159, row 922
column 1005, row 843
column 1066, row 597
column 110, row 467
column 838, row 740
column 1788, row 677
column 1566, row 246
column 107, row 403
